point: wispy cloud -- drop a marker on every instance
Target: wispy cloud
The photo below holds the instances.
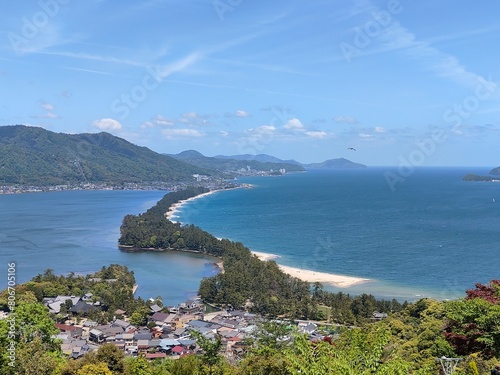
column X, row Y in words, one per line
column 49, row 108
column 87, row 70
column 182, row 133
column 346, row 119
column 317, row 134
column 242, row 113
column 443, row 64
column 93, row 57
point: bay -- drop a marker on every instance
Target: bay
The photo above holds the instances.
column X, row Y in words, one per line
column 77, row 231
column 432, row 235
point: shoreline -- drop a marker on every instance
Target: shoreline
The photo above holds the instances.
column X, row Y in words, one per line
column 176, row 207
column 340, row 281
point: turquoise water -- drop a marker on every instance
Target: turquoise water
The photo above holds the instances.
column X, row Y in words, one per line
column 77, row 231
column 434, row 235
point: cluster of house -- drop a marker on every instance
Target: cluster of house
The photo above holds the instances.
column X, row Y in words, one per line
column 169, row 333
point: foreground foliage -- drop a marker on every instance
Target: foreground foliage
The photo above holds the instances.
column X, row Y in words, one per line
column 407, row 342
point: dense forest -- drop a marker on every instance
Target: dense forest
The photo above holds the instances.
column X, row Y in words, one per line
column 35, row 156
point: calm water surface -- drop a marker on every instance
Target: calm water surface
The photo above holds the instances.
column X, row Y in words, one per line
column 77, row 231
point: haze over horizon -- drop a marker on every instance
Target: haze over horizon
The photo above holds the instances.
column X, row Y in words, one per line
column 400, row 81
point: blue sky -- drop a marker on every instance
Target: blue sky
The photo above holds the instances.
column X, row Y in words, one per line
column 401, row 81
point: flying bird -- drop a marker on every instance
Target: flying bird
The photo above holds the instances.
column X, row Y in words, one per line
column 351, row 148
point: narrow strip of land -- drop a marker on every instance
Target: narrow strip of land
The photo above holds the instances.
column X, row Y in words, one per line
column 340, row 281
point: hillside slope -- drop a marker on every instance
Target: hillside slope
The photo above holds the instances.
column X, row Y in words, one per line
column 35, row 156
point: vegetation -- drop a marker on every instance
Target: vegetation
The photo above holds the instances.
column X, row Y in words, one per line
column 111, row 287
column 495, row 171
column 406, row 342
column 340, row 163
column 475, row 177
column 35, row 156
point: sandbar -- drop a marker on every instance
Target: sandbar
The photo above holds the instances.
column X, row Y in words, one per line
column 340, row 281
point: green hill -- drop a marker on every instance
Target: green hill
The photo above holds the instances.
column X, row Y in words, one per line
column 340, row 163
column 495, row 171
column 35, row 156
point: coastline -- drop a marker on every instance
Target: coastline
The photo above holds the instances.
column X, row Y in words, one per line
column 340, row 281
column 176, row 207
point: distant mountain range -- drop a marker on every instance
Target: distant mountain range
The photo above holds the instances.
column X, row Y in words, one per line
column 263, row 158
column 230, row 164
column 36, row 156
column 261, row 162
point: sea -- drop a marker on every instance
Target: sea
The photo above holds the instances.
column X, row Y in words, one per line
column 414, row 233
column 426, row 234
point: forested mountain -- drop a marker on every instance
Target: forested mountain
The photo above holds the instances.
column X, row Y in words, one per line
column 263, row 158
column 340, row 163
column 35, row 156
column 229, row 164
column 495, row 171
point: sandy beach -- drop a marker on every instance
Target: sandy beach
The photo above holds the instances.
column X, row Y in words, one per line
column 339, row 281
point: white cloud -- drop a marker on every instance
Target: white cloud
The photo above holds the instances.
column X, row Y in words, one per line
column 294, row 124
column 181, row 133
column 241, row 113
column 47, row 106
column 317, row 134
column 190, row 115
column 160, row 120
column 364, row 135
column 346, row 119
column 379, row 129
column 147, row 124
column 49, row 115
column 224, row 133
column 264, row 129
column 107, row 124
